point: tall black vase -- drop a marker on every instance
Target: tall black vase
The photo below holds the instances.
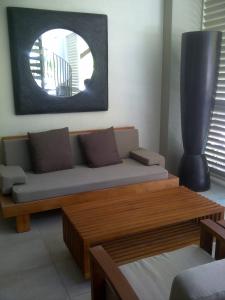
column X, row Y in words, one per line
column 199, row 65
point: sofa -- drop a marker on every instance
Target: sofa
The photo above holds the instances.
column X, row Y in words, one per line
column 25, row 192
column 190, row 273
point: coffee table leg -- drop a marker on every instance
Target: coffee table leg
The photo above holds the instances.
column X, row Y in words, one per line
column 77, row 246
column 86, row 261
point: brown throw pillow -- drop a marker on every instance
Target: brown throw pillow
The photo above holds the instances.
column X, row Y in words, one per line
column 50, row 150
column 100, row 148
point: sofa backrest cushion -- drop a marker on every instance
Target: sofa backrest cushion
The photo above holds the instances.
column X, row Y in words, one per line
column 16, row 150
column 100, row 148
column 127, row 140
column 50, row 150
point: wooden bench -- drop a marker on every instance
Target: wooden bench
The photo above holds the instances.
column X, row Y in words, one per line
column 22, row 211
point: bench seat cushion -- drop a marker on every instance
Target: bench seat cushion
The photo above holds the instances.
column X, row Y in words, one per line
column 152, row 277
column 82, row 179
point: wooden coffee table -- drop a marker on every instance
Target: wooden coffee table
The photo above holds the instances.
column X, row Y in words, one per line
column 136, row 226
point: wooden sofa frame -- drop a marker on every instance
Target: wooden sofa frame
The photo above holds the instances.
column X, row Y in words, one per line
column 22, row 211
column 104, row 272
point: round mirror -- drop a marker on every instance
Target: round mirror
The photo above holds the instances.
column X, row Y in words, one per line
column 61, row 62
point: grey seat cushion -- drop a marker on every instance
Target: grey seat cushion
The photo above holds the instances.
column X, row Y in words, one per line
column 82, row 178
column 151, row 278
column 206, row 282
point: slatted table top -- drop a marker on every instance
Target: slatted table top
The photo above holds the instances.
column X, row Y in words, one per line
column 102, row 220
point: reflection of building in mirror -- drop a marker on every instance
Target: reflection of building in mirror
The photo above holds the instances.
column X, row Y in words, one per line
column 61, row 62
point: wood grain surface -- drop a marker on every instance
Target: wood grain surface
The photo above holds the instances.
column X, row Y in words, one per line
column 135, row 225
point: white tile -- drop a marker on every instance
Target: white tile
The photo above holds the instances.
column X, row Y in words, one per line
column 8, row 231
column 35, row 284
column 22, row 254
column 37, row 264
column 72, row 278
column 56, row 247
column 81, row 297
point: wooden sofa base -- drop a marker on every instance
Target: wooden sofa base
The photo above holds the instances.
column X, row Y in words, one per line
column 23, row 223
column 22, row 211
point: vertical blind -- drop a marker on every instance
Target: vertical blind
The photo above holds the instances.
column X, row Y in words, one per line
column 214, row 19
column 73, row 60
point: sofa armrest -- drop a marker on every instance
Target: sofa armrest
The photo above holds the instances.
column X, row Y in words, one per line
column 208, row 231
column 147, row 157
column 205, row 282
column 107, row 281
column 10, row 175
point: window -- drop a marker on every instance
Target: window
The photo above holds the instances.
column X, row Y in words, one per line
column 214, row 19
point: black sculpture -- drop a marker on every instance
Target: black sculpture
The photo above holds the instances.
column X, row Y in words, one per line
column 199, row 65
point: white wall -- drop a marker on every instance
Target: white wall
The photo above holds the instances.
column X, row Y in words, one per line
column 180, row 16
column 135, row 61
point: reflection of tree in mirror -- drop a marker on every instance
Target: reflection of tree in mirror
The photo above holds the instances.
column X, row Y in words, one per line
column 60, row 62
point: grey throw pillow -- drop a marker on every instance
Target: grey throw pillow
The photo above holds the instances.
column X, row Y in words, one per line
column 50, row 150
column 100, row 148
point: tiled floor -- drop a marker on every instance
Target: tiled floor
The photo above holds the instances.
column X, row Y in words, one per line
column 37, row 265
